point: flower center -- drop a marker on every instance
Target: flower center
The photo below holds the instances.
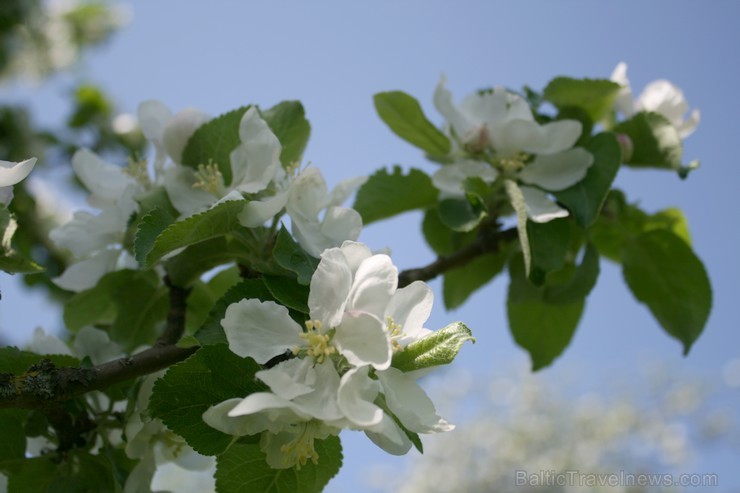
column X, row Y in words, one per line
column 511, row 165
column 395, row 332
column 301, row 448
column 138, row 171
column 209, row 178
column 318, row 345
column 478, row 140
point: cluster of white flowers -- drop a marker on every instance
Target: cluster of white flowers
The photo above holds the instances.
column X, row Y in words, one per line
column 339, row 374
column 258, row 179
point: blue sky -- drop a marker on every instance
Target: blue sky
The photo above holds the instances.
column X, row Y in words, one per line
column 333, row 56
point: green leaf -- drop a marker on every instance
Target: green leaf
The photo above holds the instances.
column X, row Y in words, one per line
column 47, row 474
column 242, row 468
column 13, row 443
column 664, row 273
column 543, row 329
column 387, row 194
column 188, row 265
column 403, row 114
column 585, row 198
column 291, row 256
column 95, row 306
column 149, row 228
column 438, row 348
column 13, row 360
column 141, row 304
column 208, row 377
column 656, row 141
column 442, row 239
column 461, row 214
column 578, row 284
column 219, row 220
column 288, row 292
column 287, row 120
column 460, row 283
column 213, row 142
column 10, row 260
column 548, row 244
column 595, row 96
column 211, row 332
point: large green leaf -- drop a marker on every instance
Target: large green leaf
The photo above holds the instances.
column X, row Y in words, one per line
column 403, row 114
column 595, row 96
column 387, row 194
column 210, row 376
column 664, row 273
column 243, row 469
column 585, row 198
column 288, row 122
column 141, row 305
column 219, row 220
column 438, row 348
column 148, row 230
column 460, row 283
column 214, row 141
column 76, row 472
column 655, row 140
column 548, row 243
column 543, row 329
column 441, row 238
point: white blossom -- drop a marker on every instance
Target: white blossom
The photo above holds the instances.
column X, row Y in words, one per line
column 10, row 174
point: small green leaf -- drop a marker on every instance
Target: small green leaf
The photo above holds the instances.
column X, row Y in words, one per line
column 287, row 120
column 403, row 114
column 656, row 141
column 149, row 228
column 288, row 292
column 188, row 265
column 579, row 284
column 291, row 256
column 13, row 360
column 460, row 283
column 548, row 244
column 438, row 348
column 211, row 332
column 208, row 377
column 461, row 214
column 213, row 142
column 595, row 96
column 585, row 198
column 543, row 329
column 664, row 273
column 387, row 194
column 219, row 220
column 243, row 468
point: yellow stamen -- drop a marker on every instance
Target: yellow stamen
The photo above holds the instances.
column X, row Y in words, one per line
column 318, row 345
column 209, row 178
column 301, row 448
column 395, row 332
column 138, row 170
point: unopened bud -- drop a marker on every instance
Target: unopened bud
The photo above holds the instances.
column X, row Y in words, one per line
column 626, row 146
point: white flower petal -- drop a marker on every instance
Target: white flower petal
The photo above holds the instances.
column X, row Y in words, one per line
column 624, row 102
column 153, row 117
column 85, row 233
column 443, row 102
column 355, row 253
column 178, row 182
column 388, row 436
column 410, row 403
column 344, row 189
column 322, row 403
column 450, row 178
column 540, row 208
column 256, row 212
column 96, row 344
column 557, row 171
column 339, row 224
column 43, row 343
column 218, row 417
column 290, row 379
column 269, row 412
column 11, row 173
column 308, row 195
column 375, row 281
column 688, row 126
column 410, row 307
column 260, row 330
column 330, row 287
column 85, row 274
column 179, row 129
column 362, row 339
column 256, row 160
column 531, row 137
column 357, row 391
column 105, row 181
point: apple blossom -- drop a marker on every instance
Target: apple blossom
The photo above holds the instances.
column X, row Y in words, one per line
column 10, row 174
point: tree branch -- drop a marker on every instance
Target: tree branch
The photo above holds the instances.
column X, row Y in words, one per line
column 44, row 385
column 485, row 243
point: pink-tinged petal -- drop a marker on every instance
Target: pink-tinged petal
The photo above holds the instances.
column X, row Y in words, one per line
column 410, row 307
column 256, row 160
column 362, row 339
column 557, row 171
column 450, row 178
column 410, row 403
column 330, row 287
column 290, row 379
column 540, row 208
column 388, row 436
column 375, row 281
column 85, row 274
column 179, row 129
column 357, row 391
column 260, row 329
column 11, row 173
